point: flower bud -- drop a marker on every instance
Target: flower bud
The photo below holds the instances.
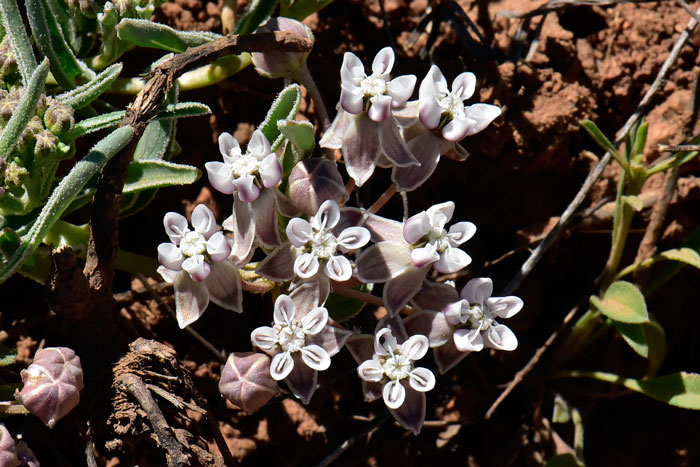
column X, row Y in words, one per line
column 59, row 118
column 45, row 143
column 15, row 174
column 274, row 64
column 246, row 381
column 8, row 105
column 8, row 451
column 8, row 61
column 52, row 384
column 313, row 181
column 28, row 136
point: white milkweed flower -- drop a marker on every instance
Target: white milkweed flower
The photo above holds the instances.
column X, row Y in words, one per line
column 320, row 245
column 392, row 364
column 246, row 172
column 473, row 318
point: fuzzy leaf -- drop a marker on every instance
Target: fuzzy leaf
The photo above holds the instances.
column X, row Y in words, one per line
column 300, row 134
column 635, row 202
column 147, row 174
column 683, row 255
column 284, row 107
column 257, row 13
column 647, row 339
column 183, row 109
column 88, row 92
column 21, row 45
column 622, row 302
column 146, row 33
column 342, row 308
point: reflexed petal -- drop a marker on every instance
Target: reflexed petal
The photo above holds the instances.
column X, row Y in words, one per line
column 352, row 70
column 338, row 268
column 398, row 291
column 332, row 339
column 416, row 347
column 422, row 379
column 395, row 324
column 175, row 226
column 383, row 62
column 299, row 232
column 431, row 324
column 282, row 364
column 447, row 356
column 482, row 114
column 384, row 342
column 426, row 149
column 353, row 238
column 224, row 285
column 452, row 260
column 284, row 310
column 315, row 357
column 243, row 227
column 411, row 414
column 264, row 338
column 315, row 320
column 218, row 247
column 307, row 297
column 394, row 394
column 248, row 191
column 406, row 115
column 170, row 256
column 423, row 257
column 306, row 265
column 335, row 134
column 259, row 146
column 468, row 340
column 220, row 177
column 457, row 129
column 361, row 347
column 197, row 267
column 477, row 290
column 393, row 145
column 383, row 261
column 461, row 232
column 400, row 89
column 227, row 143
column 302, row 380
column 327, row 216
column 266, row 226
column 361, row 148
column 203, row 220
column 167, row 274
column 435, row 296
column 350, row 101
column 464, row 84
column 505, row 307
column 270, row 171
column 416, row 227
column 440, row 214
column 380, row 108
column 380, row 228
column 191, row 299
column 455, row 313
column 500, row 337
column 279, row 265
column 370, row 370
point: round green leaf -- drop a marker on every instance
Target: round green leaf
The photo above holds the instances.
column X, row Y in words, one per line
column 683, row 255
column 622, row 302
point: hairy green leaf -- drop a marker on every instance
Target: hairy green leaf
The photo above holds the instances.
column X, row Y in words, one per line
column 146, row 33
column 147, row 174
column 21, row 45
column 285, row 107
column 623, row 302
column 647, row 339
column 257, row 14
column 88, row 92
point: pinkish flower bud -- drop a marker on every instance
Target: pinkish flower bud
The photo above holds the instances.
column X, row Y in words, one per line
column 8, row 451
column 52, row 384
column 313, row 181
column 246, row 381
column 282, row 64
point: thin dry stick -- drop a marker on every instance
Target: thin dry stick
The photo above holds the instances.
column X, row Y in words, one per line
column 382, row 200
column 679, row 147
column 539, row 252
column 566, row 215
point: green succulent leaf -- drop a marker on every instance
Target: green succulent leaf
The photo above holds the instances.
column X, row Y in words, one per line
column 285, row 107
column 624, row 302
column 21, row 45
column 146, row 33
column 257, row 14
column 183, row 109
column 88, row 92
column 647, row 339
column 148, row 174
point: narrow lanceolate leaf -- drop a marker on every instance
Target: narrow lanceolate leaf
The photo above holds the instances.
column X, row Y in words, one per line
column 157, row 137
column 25, row 110
column 146, row 33
column 647, row 339
column 183, row 109
column 88, row 92
column 146, row 174
column 598, row 136
column 623, row 302
column 258, row 12
column 284, row 107
column 64, row 193
column 21, row 46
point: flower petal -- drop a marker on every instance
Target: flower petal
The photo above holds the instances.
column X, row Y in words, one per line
column 383, row 261
column 400, row 89
column 224, row 286
column 398, row 291
column 505, row 307
column 265, row 338
column 170, row 256
column 458, row 128
column 242, row 224
column 384, row 342
column 416, row 227
column 393, row 145
column 500, row 337
column 327, row 216
column 279, row 265
column 353, row 238
column 411, row 414
column 447, row 356
column 426, row 149
column 468, row 340
column 383, row 62
column 440, row 214
column 299, row 232
column 306, row 265
column 360, row 148
column 315, row 320
column 423, row 257
column 461, row 232
column 394, row 394
column 228, row 143
column 331, row 338
column 175, row 226
column 302, row 380
column 482, row 114
column 463, row 86
column 422, row 379
column 191, row 299
column 334, row 135
column 266, row 226
column 220, row 177
column 315, row 357
column 431, row 324
column 435, row 296
column 284, row 310
column 282, row 364
column 167, row 274
column 452, row 260
column 370, row 370
column 477, row 290
column 456, row 312
column 259, row 146
column 352, row 70
column 248, row 191
column 380, row 108
column 361, row 347
column 416, row 347
column 197, row 267
column 218, row 247
column 270, row 171
column 203, row 220
column 338, row 268
column 350, row 101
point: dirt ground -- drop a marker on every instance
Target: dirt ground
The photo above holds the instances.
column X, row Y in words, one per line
column 587, row 62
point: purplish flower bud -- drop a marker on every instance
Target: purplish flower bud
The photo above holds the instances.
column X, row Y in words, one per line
column 313, row 181
column 52, row 384
column 46, row 143
column 246, row 381
column 59, row 118
column 274, row 64
column 8, row 451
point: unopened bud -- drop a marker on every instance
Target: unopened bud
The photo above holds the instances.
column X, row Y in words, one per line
column 46, row 143
column 8, row 451
column 275, row 64
column 246, row 381
column 8, row 106
column 15, row 173
column 8, row 61
column 52, row 384
column 28, row 136
column 59, row 118
column 313, row 181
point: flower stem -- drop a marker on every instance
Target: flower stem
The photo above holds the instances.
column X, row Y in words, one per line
column 306, row 80
column 357, row 295
column 383, row 199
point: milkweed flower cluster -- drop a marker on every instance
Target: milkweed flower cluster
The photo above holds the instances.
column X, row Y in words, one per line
column 310, row 245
